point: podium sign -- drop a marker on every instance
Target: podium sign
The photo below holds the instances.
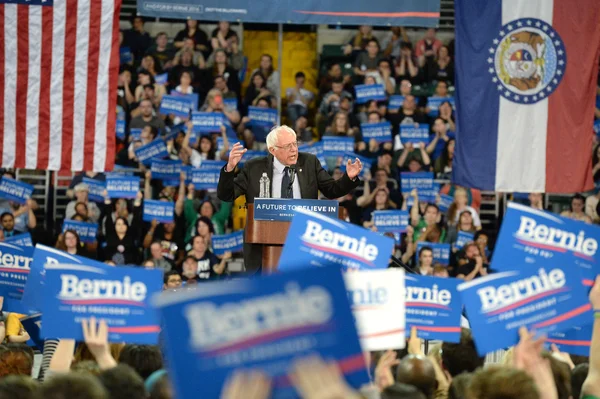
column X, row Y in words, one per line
column 283, row 209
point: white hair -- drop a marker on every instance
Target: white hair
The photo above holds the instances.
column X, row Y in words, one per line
column 273, row 136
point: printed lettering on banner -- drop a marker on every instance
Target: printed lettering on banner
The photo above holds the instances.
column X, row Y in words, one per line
column 266, row 323
column 207, row 122
column 87, row 232
column 433, row 103
column 208, row 164
column 233, row 242
column 96, row 189
column 315, row 240
column 15, row 264
column 161, row 211
column 531, row 237
column 366, row 93
column 14, row 190
column 576, row 340
column 120, row 129
column 445, row 201
column 266, row 117
column 441, row 251
column 390, row 221
column 377, row 303
column 380, row 132
column 283, row 209
column 433, row 306
column 32, row 296
column 23, row 240
column 317, row 150
column 119, row 186
column 176, row 105
column 462, row 238
column 336, row 146
column 415, row 134
column 192, row 98
column 547, row 298
column 350, row 156
column 428, row 195
column 205, row 179
column 395, row 102
column 165, row 169
column 416, row 180
column 155, row 149
column 135, row 134
column 119, row 295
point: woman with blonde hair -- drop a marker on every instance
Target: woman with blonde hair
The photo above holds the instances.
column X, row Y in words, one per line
column 459, row 205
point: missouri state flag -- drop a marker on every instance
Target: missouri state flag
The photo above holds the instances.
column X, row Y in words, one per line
column 526, row 74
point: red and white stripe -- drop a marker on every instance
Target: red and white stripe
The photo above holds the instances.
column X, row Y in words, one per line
column 58, row 81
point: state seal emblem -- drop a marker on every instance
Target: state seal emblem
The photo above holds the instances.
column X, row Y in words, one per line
column 527, row 60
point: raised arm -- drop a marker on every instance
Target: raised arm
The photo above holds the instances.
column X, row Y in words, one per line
column 180, row 195
column 591, row 385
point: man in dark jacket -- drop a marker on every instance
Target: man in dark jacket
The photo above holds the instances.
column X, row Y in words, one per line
column 283, row 153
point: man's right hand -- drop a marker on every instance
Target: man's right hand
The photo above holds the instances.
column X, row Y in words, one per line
column 235, row 155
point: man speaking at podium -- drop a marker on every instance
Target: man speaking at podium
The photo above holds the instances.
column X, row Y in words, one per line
column 291, row 174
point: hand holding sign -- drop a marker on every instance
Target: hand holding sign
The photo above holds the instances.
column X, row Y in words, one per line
column 235, row 155
column 353, row 168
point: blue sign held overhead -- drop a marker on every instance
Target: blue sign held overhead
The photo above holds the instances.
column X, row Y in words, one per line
column 119, row 186
column 125, row 54
column 417, row 180
column 14, row 190
column 176, row 105
column 166, row 169
column 350, row 156
column 120, row 129
column 445, row 202
column 441, row 252
column 87, row 232
column 336, row 146
column 119, row 295
column 154, row 150
column 233, row 242
column 381, row 132
column 315, row 240
column 208, row 164
column 205, row 179
column 231, row 103
column 433, row 306
column 414, row 134
column 193, row 98
column 366, row 93
column 135, row 134
column 207, row 122
column 162, row 79
column 15, row 264
column 391, row 221
column 463, row 238
column 96, row 189
column 265, row 117
column 547, row 298
column 202, row 353
column 395, row 102
column 433, row 103
column 161, row 211
column 281, row 209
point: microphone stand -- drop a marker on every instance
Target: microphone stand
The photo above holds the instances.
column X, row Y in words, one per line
column 397, row 262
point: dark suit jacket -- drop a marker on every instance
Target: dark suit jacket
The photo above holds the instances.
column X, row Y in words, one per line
column 311, row 176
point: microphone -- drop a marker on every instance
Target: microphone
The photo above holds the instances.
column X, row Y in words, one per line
column 292, row 172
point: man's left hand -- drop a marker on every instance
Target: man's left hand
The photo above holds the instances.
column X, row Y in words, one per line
column 353, row 168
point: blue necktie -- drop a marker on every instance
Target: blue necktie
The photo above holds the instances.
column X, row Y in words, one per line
column 285, row 183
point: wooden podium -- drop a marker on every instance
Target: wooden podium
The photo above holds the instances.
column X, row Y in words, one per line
column 271, row 234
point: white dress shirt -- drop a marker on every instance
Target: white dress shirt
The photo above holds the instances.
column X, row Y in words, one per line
column 278, row 176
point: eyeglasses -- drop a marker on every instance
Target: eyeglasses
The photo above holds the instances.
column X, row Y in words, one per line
column 289, row 146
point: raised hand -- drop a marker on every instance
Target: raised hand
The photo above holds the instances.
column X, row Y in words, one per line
column 352, row 168
column 95, row 336
column 235, row 155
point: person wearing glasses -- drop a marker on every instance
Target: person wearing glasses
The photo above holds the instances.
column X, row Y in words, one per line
column 283, row 153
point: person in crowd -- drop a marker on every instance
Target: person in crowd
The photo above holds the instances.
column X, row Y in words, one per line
column 418, row 371
column 446, row 112
column 536, row 201
column 253, row 133
column 162, row 51
column 222, row 37
column 17, row 218
column 207, row 209
column 360, row 41
column 408, row 114
column 596, row 163
column 14, row 332
column 144, row 359
column 269, row 72
column 8, row 225
column 384, row 76
column 151, row 65
column 392, row 47
column 81, row 192
column 459, row 205
column 577, row 209
column 189, row 46
column 136, row 38
column 221, row 67
column 146, row 88
column 443, row 165
column 235, row 56
column 439, row 139
column 367, row 61
column 380, row 201
column 189, row 273
column 18, row 387
column 122, row 238
column 334, row 72
column 147, row 117
column 157, row 258
column 440, row 271
column 427, row 48
column 443, row 68
column 214, row 103
column 428, row 224
column 184, row 63
column 304, row 132
column 256, row 90
column 221, row 84
column 70, row 242
column 465, row 223
column 340, row 126
column 185, row 83
column 591, row 203
column 123, row 382
column 209, row 267
column 471, row 266
column 172, row 280
column 425, row 265
column 203, row 228
column 407, row 64
column 298, row 98
column 193, row 31
column 331, row 101
column 78, row 178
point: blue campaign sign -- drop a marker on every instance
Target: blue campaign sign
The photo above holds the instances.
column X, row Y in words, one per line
column 265, row 117
column 14, row 190
column 119, row 186
column 193, row 98
column 441, row 252
column 174, row 131
column 285, row 316
column 150, row 151
column 161, row 211
column 208, row 164
column 335, row 146
column 125, row 54
column 283, row 209
column 207, row 122
column 233, row 242
column 221, row 143
column 176, row 105
column 250, row 154
column 433, row 103
column 416, row 180
column 463, row 238
column 161, row 79
column 429, row 194
column 395, row 102
column 381, row 132
column 23, row 240
column 119, row 295
column 205, row 179
column 96, row 189
column 87, row 231
column 231, row 103
column 350, row 156
column 315, row 149
column 433, row 305
column 529, row 238
column 32, row 324
column 414, row 134
column 135, row 134
column 120, row 129
column 576, row 340
column 15, row 264
column 33, row 297
column 315, row 240
column 165, row 169
column 547, row 298
column 445, row 202
column 597, row 127
column 366, row 93
column 391, row 221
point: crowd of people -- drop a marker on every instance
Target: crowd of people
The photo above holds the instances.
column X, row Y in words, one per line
column 212, row 67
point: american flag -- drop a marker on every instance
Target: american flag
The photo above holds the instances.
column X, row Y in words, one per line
column 59, row 65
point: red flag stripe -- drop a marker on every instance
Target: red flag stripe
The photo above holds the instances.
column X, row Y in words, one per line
column 570, row 131
column 22, row 77
column 92, row 84
column 69, row 82
column 44, row 108
column 112, row 92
